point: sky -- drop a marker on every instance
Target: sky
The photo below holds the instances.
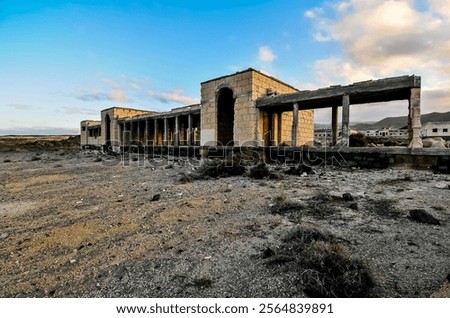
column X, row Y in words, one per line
column 64, row 61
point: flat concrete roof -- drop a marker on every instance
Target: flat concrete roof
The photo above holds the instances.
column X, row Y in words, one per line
column 251, row 70
column 372, row 91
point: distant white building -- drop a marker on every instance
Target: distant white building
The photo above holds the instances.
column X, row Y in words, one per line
column 436, row 129
column 387, row 132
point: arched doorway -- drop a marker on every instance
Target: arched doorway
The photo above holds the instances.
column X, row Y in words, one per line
column 225, row 117
column 108, row 131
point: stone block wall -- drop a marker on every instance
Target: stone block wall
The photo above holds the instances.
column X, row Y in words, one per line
column 247, row 87
column 114, row 114
column 240, row 84
column 84, row 132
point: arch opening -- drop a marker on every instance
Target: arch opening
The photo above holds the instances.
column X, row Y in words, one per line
column 108, row 131
column 225, row 117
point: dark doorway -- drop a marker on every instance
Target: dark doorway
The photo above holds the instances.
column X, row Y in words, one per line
column 108, row 131
column 225, row 117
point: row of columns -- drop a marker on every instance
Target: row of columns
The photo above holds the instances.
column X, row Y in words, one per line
column 165, row 130
column 414, row 121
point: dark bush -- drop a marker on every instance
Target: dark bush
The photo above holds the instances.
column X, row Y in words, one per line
column 282, row 205
column 221, row 168
column 325, row 267
column 384, row 208
column 328, row 270
column 358, row 140
column 260, row 171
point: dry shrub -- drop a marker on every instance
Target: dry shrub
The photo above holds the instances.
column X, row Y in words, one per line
column 202, row 282
column 326, row 267
column 385, row 208
column 221, row 168
column 330, row 271
column 299, row 170
column 321, row 205
column 405, row 178
column 302, row 235
column 282, row 205
column 260, row 171
column 186, row 177
column 358, row 140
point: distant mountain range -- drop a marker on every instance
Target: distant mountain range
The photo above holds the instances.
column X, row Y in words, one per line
column 401, row 121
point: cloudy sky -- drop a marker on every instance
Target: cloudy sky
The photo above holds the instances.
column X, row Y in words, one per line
column 64, row 61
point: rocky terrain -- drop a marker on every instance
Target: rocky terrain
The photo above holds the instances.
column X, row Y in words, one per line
column 84, row 224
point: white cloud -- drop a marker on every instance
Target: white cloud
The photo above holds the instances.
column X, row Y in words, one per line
column 176, row 96
column 117, row 95
column 266, row 55
column 80, row 110
column 20, row 106
column 377, row 38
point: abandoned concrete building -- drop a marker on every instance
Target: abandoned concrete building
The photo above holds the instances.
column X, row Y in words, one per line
column 249, row 108
column 226, row 116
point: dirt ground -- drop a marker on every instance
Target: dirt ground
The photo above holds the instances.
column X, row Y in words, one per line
column 83, row 224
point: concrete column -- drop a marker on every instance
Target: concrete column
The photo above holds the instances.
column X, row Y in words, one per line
column 114, row 132
column 156, row 132
column 345, row 120
column 414, row 119
column 123, row 134
column 280, row 128
column 132, row 137
column 189, row 135
column 146, row 133
column 166, row 132
column 334, row 125
column 139, row 133
column 294, row 126
column 176, row 134
column 276, row 141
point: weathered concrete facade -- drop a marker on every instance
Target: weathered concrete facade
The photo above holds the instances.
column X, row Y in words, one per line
column 227, row 116
column 372, row 91
column 246, row 124
column 91, row 133
column 249, row 108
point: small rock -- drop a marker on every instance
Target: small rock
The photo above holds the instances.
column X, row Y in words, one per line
column 3, row 236
column 347, row 197
column 268, row 252
column 420, row 215
column 436, row 142
column 442, row 185
column 354, row 206
column 156, row 197
column 72, row 261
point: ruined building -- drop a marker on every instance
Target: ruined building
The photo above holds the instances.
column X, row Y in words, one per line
column 226, row 116
column 249, row 108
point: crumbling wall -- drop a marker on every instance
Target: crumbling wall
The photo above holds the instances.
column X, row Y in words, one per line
column 247, row 87
column 244, row 110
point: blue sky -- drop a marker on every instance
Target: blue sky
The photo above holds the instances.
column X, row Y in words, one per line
column 64, row 61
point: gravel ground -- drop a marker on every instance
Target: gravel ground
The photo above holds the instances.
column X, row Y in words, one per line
column 81, row 224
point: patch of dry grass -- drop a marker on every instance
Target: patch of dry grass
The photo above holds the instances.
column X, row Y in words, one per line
column 326, row 268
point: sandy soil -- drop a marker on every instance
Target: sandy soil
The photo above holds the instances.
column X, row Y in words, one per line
column 82, row 224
